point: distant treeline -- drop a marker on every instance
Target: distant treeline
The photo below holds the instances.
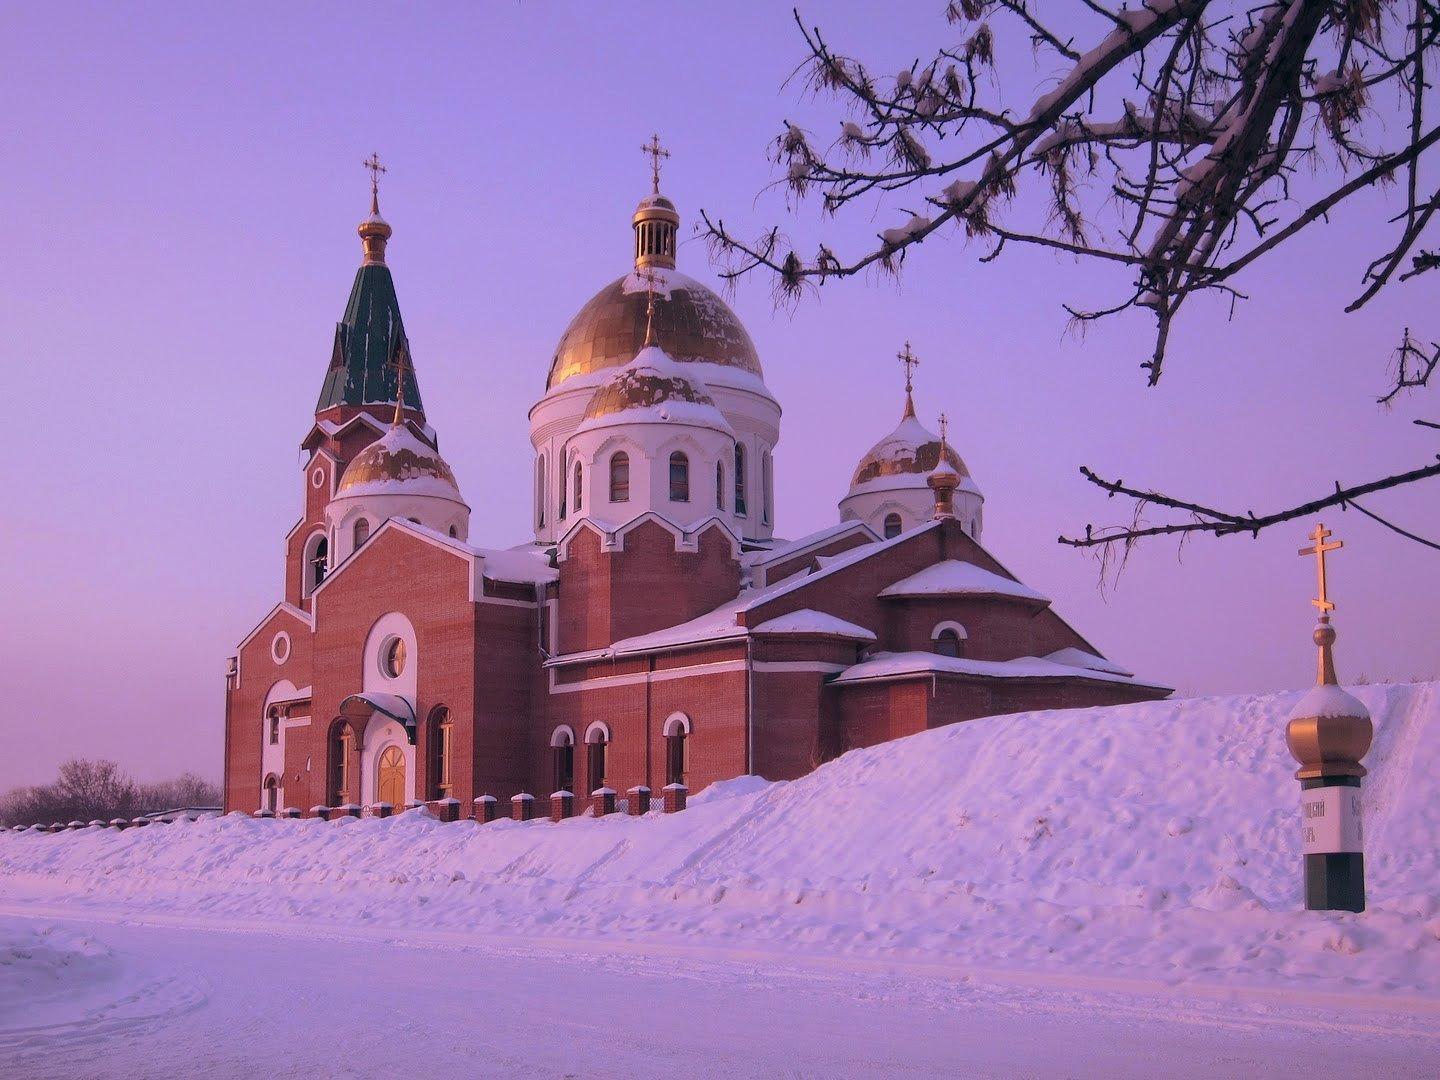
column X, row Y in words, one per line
column 90, row 790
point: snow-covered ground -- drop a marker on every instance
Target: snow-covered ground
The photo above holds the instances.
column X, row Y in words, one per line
column 1147, row 851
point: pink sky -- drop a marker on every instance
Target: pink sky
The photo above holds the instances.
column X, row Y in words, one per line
column 180, row 201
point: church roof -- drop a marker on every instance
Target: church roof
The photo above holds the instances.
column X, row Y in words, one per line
column 887, row 665
column 953, row 577
column 367, row 341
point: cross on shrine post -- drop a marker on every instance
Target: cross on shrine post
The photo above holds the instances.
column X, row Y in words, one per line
column 1328, row 733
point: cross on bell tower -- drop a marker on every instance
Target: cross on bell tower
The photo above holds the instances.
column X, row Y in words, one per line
column 376, row 169
column 656, row 152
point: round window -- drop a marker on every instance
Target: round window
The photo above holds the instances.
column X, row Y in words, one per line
column 392, row 658
column 317, row 478
column 280, row 647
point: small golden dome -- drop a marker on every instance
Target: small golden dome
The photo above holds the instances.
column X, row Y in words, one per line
column 651, row 380
column 399, row 463
column 909, row 450
column 695, row 325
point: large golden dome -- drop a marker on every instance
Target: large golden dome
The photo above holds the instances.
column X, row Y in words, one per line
column 695, row 325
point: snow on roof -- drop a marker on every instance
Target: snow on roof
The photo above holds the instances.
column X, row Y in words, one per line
column 829, row 565
column 809, row 621
column 500, row 564
column 717, row 625
column 1080, row 658
column 894, row 665
column 955, row 578
column 782, row 549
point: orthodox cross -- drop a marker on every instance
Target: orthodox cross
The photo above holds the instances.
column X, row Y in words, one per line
column 1318, row 549
column 655, row 151
column 944, row 433
column 402, row 356
column 911, row 362
column 648, row 276
column 373, row 164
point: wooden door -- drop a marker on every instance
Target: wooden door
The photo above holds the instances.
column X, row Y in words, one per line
column 390, row 779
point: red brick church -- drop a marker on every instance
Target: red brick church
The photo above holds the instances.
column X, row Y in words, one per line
column 654, row 631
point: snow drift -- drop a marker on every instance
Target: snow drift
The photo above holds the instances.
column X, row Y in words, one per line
column 1157, row 841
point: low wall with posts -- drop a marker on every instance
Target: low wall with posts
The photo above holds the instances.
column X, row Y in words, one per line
column 484, row 809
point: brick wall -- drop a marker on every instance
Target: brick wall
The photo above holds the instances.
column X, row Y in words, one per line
column 646, row 586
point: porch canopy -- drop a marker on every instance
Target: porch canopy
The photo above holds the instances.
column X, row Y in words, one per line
column 363, row 705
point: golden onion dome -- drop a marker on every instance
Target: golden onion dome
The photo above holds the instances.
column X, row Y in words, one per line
column 653, row 388
column 399, row 463
column 696, row 326
column 907, row 456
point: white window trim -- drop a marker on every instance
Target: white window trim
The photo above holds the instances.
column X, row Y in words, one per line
column 676, row 723
column 599, row 726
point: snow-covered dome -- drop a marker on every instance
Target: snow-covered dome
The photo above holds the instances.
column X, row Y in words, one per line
column 399, row 463
column 399, row 475
column 652, row 389
column 892, row 481
column 695, row 325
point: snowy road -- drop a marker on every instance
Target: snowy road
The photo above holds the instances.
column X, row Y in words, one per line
column 188, row 999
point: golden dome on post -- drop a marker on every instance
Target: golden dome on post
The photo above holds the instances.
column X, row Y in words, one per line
column 944, row 478
column 1328, row 733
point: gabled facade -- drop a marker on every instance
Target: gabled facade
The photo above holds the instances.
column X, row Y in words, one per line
column 655, row 631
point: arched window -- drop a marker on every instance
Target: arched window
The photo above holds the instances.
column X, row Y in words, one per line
column 597, row 740
column 454, row 533
column 317, row 561
column 441, row 740
column 619, row 477
column 719, row 485
column 679, row 477
column 766, row 483
column 949, row 639
column 562, row 760
column 342, row 747
column 272, row 727
column 362, row 532
column 677, row 763
column 739, row 480
column 272, row 788
column 577, row 488
column 893, row 526
column 540, row 492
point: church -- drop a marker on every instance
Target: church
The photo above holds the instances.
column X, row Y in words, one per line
column 655, row 631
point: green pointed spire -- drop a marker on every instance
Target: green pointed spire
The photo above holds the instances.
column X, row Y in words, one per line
column 364, row 366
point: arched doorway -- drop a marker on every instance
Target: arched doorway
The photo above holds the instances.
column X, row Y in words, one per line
column 272, row 787
column 390, row 777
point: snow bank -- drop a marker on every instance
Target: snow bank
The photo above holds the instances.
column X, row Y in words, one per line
column 41, row 963
column 1155, row 840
